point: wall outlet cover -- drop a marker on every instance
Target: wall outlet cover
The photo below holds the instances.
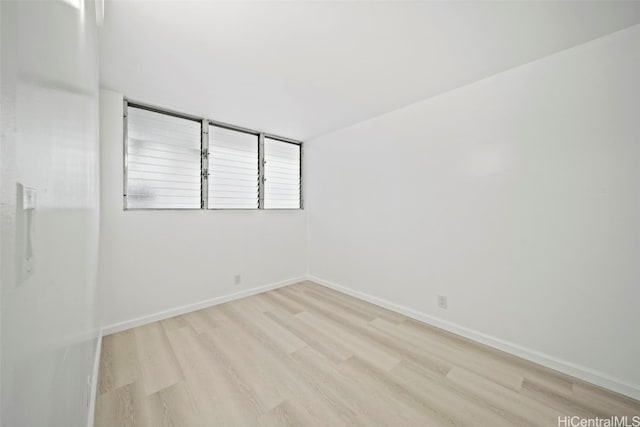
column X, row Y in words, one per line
column 442, row 301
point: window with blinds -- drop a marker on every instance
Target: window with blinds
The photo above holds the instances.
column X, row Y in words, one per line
column 163, row 161
column 176, row 161
column 233, row 169
column 281, row 174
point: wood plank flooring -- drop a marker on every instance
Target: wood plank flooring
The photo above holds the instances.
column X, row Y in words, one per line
column 306, row 355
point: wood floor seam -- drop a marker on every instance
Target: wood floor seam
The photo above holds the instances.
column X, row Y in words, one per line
column 306, row 355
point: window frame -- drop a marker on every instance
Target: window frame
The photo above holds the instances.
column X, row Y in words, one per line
column 205, row 124
column 241, row 130
column 262, row 168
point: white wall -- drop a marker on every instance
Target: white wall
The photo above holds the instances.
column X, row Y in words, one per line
column 516, row 197
column 152, row 261
column 49, row 142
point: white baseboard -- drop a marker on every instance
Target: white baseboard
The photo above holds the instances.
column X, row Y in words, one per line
column 581, row 372
column 94, row 382
column 154, row 317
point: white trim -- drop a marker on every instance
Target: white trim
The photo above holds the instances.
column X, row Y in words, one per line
column 581, row 372
column 143, row 320
column 94, row 382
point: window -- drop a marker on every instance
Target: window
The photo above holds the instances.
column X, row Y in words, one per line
column 281, row 174
column 233, row 169
column 175, row 161
column 163, row 161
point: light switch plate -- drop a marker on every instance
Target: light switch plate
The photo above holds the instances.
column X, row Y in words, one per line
column 28, row 198
column 25, row 233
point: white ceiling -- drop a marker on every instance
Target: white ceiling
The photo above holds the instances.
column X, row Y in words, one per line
column 301, row 69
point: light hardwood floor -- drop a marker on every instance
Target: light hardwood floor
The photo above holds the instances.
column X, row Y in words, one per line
column 307, row 355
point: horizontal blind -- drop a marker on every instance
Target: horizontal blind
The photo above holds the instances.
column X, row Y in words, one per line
column 282, row 174
column 233, row 169
column 163, row 161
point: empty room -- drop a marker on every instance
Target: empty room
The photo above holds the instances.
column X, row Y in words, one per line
column 319, row 213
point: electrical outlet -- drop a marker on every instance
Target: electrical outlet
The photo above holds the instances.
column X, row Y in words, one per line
column 442, row 301
column 237, row 279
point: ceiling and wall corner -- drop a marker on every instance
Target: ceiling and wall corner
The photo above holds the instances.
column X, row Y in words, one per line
column 516, row 197
column 302, row 69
